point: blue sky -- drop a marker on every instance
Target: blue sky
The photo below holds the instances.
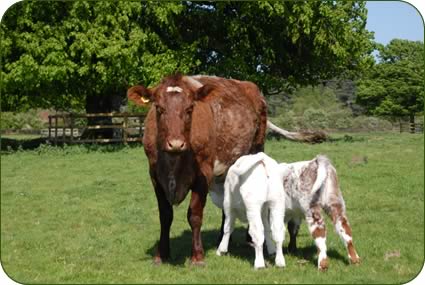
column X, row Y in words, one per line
column 394, row 19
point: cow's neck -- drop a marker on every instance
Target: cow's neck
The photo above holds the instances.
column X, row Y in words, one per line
column 176, row 174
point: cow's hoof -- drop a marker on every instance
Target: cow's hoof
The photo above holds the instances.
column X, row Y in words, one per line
column 197, row 263
column 220, row 253
column 157, row 260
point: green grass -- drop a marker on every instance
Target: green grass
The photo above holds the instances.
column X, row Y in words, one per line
column 89, row 215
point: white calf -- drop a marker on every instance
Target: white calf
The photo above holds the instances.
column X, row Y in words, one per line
column 310, row 186
column 253, row 192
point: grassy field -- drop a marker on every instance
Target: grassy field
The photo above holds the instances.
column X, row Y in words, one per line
column 89, row 215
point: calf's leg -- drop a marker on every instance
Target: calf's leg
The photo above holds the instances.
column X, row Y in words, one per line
column 343, row 229
column 277, row 213
column 256, row 231
column 316, row 226
column 229, row 224
column 293, row 228
column 271, row 246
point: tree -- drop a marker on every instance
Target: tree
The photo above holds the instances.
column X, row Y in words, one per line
column 278, row 44
column 394, row 86
column 84, row 54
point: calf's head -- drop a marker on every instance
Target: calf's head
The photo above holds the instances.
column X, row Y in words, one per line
column 173, row 100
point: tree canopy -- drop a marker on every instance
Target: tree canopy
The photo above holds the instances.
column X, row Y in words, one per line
column 57, row 54
column 61, row 53
column 279, row 44
column 394, row 86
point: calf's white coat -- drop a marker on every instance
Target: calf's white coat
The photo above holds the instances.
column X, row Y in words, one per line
column 253, row 193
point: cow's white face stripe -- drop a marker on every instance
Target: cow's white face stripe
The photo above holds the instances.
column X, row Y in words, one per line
column 174, row 89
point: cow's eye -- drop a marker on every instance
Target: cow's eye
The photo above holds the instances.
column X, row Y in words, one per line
column 189, row 110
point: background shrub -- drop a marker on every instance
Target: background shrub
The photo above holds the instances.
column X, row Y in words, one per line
column 19, row 121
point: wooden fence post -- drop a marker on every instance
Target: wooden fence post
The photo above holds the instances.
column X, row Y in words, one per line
column 63, row 129
column 125, row 128
column 56, row 129
column 71, row 118
column 412, row 128
column 50, row 128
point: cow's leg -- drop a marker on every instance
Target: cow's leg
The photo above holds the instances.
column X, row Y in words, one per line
column 256, row 230
column 194, row 217
column 342, row 227
column 277, row 213
column 166, row 218
column 316, row 226
column 293, row 228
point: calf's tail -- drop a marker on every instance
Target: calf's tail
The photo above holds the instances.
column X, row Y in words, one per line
column 245, row 163
column 322, row 171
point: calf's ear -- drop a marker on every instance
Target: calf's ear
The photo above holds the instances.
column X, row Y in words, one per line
column 139, row 95
column 203, row 91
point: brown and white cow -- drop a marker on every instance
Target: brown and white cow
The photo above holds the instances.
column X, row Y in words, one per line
column 196, row 128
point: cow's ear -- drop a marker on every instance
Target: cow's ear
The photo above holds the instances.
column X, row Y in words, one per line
column 203, row 91
column 139, row 95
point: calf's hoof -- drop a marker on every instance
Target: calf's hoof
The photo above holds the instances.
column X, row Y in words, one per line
column 323, row 264
column 259, row 265
column 280, row 262
column 220, row 253
column 355, row 260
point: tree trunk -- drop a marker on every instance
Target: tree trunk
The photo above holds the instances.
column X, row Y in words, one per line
column 101, row 104
column 304, row 136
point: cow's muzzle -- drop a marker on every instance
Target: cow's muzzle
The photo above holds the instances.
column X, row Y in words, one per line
column 175, row 145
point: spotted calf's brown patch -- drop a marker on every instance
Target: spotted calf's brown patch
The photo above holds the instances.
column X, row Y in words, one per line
column 308, row 176
column 319, row 223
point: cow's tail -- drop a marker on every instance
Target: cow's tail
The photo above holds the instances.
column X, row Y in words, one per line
column 245, row 163
column 322, row 171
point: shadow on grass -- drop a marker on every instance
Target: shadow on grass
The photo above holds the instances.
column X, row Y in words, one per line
column 346, row 138
column 9, row 145
column 309, row 254
column 181, row 246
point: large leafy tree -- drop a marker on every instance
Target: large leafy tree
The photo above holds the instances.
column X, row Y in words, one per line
column 279, row 44
column 394, row 87
column 69, row 54
column 76, row 54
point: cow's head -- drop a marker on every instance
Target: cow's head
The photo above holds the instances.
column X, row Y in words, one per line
column 173, row 100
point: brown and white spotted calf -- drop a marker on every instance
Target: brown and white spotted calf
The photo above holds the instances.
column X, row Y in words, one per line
column 311, row 186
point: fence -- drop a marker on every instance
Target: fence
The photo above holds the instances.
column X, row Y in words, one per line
column 411, row 127
column 128, row 127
